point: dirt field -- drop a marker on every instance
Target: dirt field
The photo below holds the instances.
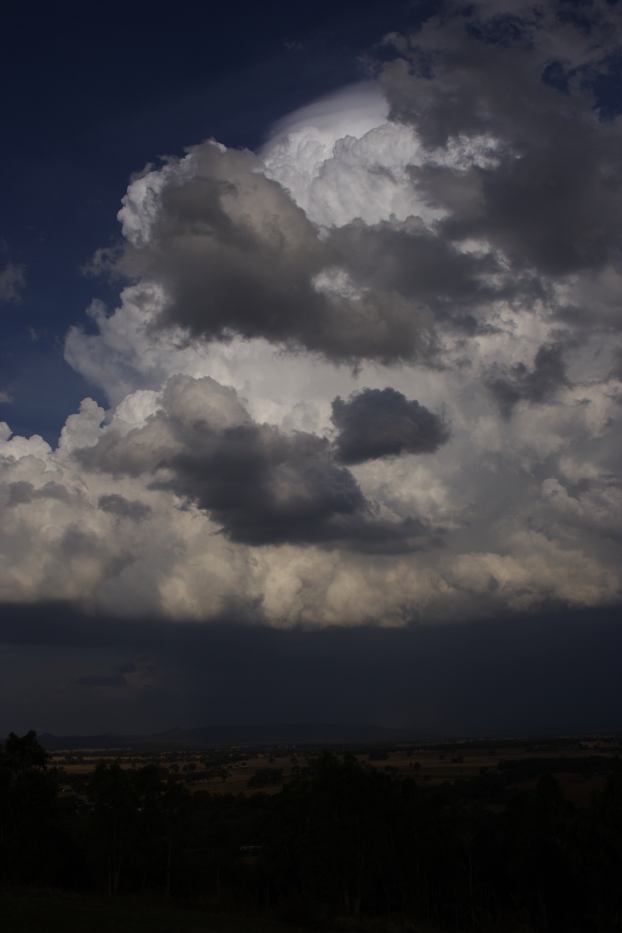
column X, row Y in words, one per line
column 249, row 771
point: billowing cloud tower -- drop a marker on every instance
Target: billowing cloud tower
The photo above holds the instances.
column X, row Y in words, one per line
column 367, row 374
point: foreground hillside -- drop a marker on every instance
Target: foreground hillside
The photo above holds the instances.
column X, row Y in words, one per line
column 340, row 842
column 33, row 911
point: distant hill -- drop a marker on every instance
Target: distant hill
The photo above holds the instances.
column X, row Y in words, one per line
column 205, row 736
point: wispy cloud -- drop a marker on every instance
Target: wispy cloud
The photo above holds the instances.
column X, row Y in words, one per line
column 12, row 281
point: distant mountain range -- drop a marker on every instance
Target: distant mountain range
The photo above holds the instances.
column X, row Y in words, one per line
column 205, row 736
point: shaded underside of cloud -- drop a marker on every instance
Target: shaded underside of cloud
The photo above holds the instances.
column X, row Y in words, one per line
column 101, row 674
column 379, row 423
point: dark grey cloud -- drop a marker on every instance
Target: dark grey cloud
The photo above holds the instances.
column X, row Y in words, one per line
column 435, row 280
column 538, row 384
column 231, row 249
column 265, row 487
column 378, row 423
column 262, row 485
column 235, row 255
column 23, row 492
column 616, row 370
column 124, row 508
column 549, row 194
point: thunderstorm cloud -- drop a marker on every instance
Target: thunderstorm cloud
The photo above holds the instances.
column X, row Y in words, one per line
column 369, row 373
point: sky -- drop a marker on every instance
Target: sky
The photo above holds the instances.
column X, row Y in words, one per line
column 310, row 382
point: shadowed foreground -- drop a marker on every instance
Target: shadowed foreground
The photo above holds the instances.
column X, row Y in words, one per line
column 341, row 845
column 29, row 911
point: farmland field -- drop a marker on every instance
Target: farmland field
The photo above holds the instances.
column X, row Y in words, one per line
column 248, row 771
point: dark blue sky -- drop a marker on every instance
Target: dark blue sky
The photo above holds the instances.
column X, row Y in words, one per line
column 94, row 93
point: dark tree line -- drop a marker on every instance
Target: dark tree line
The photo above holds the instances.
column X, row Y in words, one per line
column 340, row 839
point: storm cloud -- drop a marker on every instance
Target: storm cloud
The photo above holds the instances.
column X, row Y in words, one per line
column 262, row 485
column 537, row 384
column 232, row 253
column 378, row 423
column 420, row 678
column 518, row 82
column 123, row 508
column 368, row 374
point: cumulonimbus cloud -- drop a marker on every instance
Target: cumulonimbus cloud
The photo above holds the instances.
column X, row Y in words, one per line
column 370, row 373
